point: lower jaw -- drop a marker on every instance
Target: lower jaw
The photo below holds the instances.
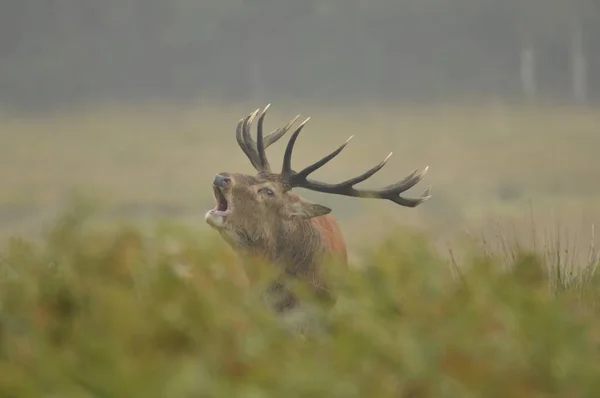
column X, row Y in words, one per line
column 215, row 218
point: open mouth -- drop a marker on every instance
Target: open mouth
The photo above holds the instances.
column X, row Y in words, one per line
column 222, row 206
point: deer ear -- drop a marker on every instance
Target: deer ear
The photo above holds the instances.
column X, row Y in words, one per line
column 306, row 210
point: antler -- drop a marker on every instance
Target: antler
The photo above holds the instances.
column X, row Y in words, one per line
column 391, row 192
column 255, row 151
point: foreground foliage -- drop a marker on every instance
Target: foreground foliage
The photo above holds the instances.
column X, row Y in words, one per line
column 124, row 313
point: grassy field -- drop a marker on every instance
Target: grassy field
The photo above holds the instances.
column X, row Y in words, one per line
column 485, row 162
column 489, row 289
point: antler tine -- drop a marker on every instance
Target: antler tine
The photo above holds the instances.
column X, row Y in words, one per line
column 260, row 143
column 287, row 158
column 286, row 169
column 410, row 202
column 276, row 134
column 248, row 138
column 242, row 142
column 409, row 181
column 367, row 174
column 253, row 149
column 346, row 188
column 317, row 165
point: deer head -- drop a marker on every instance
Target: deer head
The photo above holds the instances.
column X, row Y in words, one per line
column 258, row 212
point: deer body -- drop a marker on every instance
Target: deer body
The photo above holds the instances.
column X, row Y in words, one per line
column 260, row 218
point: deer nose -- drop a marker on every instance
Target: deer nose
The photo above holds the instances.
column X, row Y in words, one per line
column 221, row 181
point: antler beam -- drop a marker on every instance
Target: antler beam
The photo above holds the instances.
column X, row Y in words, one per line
column 346, row 188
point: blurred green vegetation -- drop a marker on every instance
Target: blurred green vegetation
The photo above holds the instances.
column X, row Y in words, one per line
column 91, row 311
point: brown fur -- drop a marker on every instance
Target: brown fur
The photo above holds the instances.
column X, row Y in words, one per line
column 332, row 236
column 286, row 230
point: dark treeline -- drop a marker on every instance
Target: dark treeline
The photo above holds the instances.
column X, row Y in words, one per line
column 57, row 52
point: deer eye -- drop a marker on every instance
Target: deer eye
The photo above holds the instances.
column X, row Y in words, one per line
column 268, row 191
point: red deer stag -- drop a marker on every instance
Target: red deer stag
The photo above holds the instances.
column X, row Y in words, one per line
column 259, row 216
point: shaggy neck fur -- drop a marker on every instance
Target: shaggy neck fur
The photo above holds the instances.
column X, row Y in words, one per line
column 294, row 247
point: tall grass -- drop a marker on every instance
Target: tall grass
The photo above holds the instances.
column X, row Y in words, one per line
column 119, row 312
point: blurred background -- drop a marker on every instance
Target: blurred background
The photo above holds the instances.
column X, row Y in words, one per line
column 55, row 53
column 134, row 103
